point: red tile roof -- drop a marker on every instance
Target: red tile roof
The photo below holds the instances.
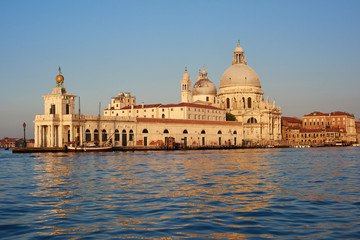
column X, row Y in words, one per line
column 183, row 121
column 316, row 113
column 191, row 105
column 305, row 130
column 291, row 119
column 174, row 105
column 339, row 113
column 336, row 113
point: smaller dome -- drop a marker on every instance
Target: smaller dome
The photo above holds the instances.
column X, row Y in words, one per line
column 59, row 78
column 238, row 49
column 121, row 94
column 204, row 87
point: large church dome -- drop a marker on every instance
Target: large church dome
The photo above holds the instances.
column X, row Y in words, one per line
column 239, row 74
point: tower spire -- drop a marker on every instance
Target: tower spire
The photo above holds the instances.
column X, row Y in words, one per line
column 186, row 87
column 239, row 57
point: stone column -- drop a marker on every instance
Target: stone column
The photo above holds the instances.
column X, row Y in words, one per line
column 51, row 138
column 41, row 135
column 36, row 136
column 81, row 134
column 60, row 135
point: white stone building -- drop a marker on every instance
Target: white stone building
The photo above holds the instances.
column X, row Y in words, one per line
column 199, row 120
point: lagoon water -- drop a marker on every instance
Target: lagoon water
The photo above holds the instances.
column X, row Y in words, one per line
column 215, row 194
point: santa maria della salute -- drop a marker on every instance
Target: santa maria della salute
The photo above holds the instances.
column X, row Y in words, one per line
column 200, row 120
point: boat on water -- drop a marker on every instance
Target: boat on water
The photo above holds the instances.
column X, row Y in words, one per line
column 88, row 148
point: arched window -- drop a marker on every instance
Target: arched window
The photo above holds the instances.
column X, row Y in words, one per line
column 166, row 131
column 163, row 116
column 227, row 103
column 243, row 100
column 96, row 135
column 124, row 138
column 219, row 132
column 145, row 131
column 252, row 120
column 249, row 102
column 87, row 135
column 131, row 135
column 117, row 135
column 104, row 135
column 235, row 132
column 185, row 131
column 203, row 132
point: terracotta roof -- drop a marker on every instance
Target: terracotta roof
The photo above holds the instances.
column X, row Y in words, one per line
column 183, row 121
column 306, row 130
column 174, row 105
column 191, row 105
column 316, row 113
column 339, row 113
column 291, row 119
column 336, row 113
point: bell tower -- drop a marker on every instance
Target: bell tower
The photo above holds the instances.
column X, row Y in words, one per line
column 186, row 88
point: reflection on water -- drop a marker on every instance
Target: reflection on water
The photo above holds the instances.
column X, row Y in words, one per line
column 228, row 194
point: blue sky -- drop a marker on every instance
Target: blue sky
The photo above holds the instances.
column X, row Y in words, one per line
column 306, row 53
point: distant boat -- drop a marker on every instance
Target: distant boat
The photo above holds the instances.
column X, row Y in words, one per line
column 356, row 145
column 302, row 146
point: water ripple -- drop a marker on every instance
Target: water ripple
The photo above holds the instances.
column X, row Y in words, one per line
column 228, row 194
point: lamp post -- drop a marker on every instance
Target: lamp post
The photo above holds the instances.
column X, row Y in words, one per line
column 24, row 143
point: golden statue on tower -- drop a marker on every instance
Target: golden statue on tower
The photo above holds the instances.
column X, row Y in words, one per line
column 59, row 79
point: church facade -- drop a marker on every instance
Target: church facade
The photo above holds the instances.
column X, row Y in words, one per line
column 199, row 120
column 239, row 94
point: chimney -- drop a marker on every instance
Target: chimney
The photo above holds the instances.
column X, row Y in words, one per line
column 142, row 104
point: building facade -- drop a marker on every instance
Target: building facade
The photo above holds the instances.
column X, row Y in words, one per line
column 132, row 125
column 200, row 118
column 337, row 123
column 320, row 129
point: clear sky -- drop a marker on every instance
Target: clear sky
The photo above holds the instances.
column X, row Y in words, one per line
column 306, row 53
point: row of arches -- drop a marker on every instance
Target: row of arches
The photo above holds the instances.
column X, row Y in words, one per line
column 104, row 136
column 249, row 102
column 131, row 133
column 122, row 138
